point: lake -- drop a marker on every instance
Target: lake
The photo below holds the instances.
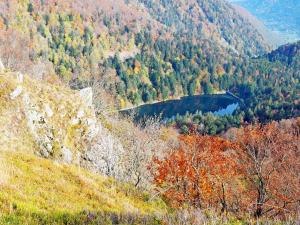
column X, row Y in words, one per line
column 219, row 104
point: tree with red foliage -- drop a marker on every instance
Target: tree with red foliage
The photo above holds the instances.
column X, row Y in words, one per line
column 200, row 173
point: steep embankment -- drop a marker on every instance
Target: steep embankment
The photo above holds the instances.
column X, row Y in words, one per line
column 46, row 130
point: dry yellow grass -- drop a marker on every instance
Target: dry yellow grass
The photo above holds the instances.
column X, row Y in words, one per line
column 33, row 184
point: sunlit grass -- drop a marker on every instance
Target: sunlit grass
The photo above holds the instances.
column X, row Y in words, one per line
column 36, row 186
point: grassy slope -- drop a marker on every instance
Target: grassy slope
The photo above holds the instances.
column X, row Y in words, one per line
column 35, row 190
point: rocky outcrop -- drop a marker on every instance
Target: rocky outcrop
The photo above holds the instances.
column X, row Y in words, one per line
column 57, row 122
column 87, row 96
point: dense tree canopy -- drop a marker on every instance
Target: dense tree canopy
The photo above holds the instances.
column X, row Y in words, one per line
column 256, row 170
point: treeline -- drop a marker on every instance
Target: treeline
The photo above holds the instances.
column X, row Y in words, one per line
column 204, row 123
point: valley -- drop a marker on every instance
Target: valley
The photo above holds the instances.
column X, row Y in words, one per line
column 115, row 112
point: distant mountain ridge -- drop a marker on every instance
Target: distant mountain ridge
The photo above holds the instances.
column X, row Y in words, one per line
column 279, row 15
column 272, row 38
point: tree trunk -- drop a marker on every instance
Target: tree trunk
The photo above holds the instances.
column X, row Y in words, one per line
column 260, row 199
column 223, row 200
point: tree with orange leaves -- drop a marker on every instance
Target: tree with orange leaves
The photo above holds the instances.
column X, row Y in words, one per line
column 270, row 157
column 202, row 172
column 257, row 172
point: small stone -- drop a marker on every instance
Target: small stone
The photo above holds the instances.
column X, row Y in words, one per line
column 80, row 114
column 2, row 68
column 44, row 153
column 49, row 147
column 91, row 122
column 48, row 110
column 75, row 121
column 16, row 92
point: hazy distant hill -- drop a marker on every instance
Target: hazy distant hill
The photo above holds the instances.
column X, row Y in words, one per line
column 279, row 15
column 273, row 38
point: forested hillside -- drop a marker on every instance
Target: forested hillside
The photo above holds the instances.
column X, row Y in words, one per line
column 132, row 45
column 62, row 164
column 268, row 86
column 273, row 84
column 208, row 20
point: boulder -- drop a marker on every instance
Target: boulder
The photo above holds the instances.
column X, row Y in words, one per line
column 2, row 68
column 67, row 155
column 87, row 96
column 16, row 92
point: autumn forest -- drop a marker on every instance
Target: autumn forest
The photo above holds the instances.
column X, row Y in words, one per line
column 70, row 155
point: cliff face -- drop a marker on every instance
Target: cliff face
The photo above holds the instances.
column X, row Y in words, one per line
column 56, row 122
column 53, row 122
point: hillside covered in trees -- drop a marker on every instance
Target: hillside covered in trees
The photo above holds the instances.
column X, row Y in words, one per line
column 268, row 86
column 136, row 48
column 60, row 163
